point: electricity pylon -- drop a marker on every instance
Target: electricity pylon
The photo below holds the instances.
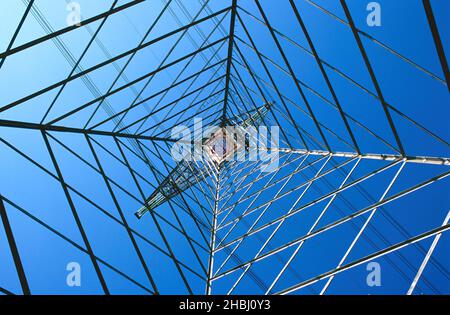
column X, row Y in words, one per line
column 215, row 150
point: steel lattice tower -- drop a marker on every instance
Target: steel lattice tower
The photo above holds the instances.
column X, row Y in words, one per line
column 92, row 146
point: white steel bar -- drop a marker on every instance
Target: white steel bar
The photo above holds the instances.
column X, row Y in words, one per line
column 278, row 226
column 366, row 223
column 337, row 222
column 370, row 257
column 375, row 156
column 427, row 257
column 311, row 229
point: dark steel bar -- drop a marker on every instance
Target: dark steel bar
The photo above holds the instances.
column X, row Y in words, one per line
column 13, row 39
column 437, row 40
column 372, row 76
column 230, row 54
column 75, row 215
column 14, row 251
column 68, row 29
